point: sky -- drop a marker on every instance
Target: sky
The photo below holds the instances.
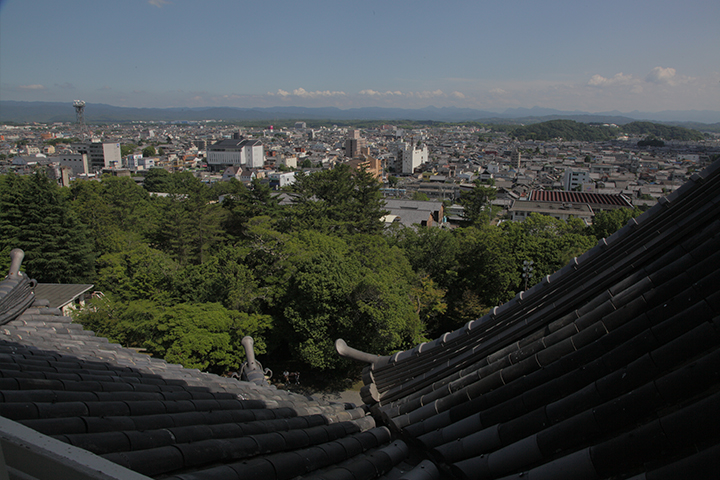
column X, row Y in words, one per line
column 594, row 56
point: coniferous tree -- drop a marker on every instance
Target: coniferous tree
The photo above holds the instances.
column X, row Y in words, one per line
column 36, row 218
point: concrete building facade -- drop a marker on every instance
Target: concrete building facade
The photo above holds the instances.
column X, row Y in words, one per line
column 232, row 152
column 575, row 178
column 353, row 143
column 100, row 155
column 410, row 157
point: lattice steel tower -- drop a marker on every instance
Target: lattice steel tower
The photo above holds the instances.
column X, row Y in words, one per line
column 80, row 115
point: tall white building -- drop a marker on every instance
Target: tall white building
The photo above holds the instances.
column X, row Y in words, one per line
column 574, row 178
column 410, row 156
column 235, row 151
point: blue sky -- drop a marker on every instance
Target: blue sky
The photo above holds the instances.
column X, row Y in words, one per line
column 648, row 55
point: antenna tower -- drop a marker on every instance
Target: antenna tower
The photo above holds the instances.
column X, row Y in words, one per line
column 80, row 115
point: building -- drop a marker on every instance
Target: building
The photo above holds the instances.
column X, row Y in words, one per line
column 520, row 210
column 78, row 163
column 410, row 157
column 289, row 161
column 370, row 164
column 281, row 179
column 413, row 212
column 515, row 158
column 235, row 151
column 596, row 201
column 572, row 179
column 100, row 155
column 353, row 143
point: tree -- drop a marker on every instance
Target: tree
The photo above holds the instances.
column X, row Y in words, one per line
column 419, row 196
column 203, row 336
column 357, row 290
column 148, row 151
column 243, row 203
column 476, row 203
column 35, row 217
column 339, row 201
column 607, row 222
column 118, row 213
column 128, row 149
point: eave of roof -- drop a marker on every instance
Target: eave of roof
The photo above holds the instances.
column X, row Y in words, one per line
column 605, row 368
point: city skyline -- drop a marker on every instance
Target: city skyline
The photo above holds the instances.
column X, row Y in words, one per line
column 600, row 56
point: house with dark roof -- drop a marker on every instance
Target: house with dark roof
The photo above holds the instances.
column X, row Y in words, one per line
column 606, row 369
column 64, row 296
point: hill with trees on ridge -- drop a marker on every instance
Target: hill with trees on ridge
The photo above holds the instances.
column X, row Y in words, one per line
column 570, row 130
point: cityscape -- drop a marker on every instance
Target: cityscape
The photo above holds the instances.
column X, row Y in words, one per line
column 413, row 162
column 316, row 240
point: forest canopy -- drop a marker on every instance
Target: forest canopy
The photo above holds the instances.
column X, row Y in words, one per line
column 186, row 276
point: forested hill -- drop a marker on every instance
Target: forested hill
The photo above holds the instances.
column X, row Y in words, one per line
column 575, row 131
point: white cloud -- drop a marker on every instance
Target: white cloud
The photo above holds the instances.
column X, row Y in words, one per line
column 302, row 93
column 375, row 93
column 426, row 94
column 666, row 76
column 158, row 3
column 31, row 87
column 618, row 79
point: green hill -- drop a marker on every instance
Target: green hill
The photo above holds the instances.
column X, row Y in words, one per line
column 571, row 131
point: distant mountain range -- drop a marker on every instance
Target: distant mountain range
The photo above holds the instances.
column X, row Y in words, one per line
column 49, row 112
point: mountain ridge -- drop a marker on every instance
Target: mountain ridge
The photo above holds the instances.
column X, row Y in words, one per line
column 50, row 112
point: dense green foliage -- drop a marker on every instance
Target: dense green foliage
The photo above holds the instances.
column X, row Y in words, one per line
column 35, row 217
column 571, row 131
column 662, row 131
column 565, row 129
column 186, row 276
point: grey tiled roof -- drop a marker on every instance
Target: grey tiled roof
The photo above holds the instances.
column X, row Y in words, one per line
column 166, row 421
column 609, row 368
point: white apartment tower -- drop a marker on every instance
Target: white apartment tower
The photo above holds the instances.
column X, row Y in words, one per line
column 574, row 178
column 410, row 156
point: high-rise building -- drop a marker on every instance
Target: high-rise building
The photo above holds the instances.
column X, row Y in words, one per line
column 515, row 158
column 353, row 143
column 410, row 156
